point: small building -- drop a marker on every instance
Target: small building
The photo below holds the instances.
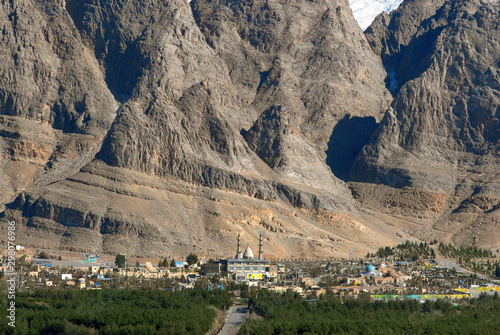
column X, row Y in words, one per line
column 33, row 274
column 306, row 281
column 280, row 289
column 105, row 270
column 385, row 280
column 296, row 289
column 318, row 290
column 184, row 286
column 356, row 281
column 163, row 273
column 273, row 270
column 211, row 269
column 94, row 269
column 80, row 283
column 150, row 267
column 66, row 276
column 281, row 269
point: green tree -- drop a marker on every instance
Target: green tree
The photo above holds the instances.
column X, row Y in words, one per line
column 120, row 260
column 172, row 263
column 44, row 255
column 497, row 270
column 192, row 259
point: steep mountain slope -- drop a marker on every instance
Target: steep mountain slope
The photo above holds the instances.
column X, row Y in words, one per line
column 250, row 117
column 442, row 136
column 55, row 106
column 304, row 67
column 187, row 163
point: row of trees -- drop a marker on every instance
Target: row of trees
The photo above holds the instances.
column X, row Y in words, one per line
column 290, row 314
column 413, row 251
column 466, row 253
column 406, row 251
column 489, row 267
column 116, row 312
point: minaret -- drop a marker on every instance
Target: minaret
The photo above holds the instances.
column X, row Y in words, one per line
column 260, row 247
column 238, row 251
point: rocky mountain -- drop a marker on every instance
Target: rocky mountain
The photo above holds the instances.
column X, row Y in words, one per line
column 291, row 64
column 441, row 137
column 55, row 106
column 170, row 127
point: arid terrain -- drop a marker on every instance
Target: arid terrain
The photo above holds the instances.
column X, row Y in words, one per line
column 165, row 127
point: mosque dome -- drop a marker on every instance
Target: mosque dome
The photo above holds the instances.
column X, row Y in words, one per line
column 370, row 269
column 248, row 254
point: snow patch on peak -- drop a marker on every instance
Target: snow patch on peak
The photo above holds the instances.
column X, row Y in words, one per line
column 365, row 11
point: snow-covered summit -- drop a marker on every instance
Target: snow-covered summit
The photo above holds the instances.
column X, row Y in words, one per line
column 365, row 11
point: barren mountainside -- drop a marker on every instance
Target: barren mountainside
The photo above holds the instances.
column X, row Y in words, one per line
column 55, row 106
column 168, row 127
column 442, row 134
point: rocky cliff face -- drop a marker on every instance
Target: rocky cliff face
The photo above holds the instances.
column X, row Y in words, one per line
column 237, row 117
column 442, row 133
column 307, row 61
column 55, row 106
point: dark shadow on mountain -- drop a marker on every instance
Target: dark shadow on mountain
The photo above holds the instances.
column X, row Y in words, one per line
column 412, row 60
column 348, row 138
column 122, row 57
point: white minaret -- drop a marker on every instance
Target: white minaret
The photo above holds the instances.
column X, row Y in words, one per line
column 260, row 247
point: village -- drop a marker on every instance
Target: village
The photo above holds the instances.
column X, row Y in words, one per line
column 375, row 276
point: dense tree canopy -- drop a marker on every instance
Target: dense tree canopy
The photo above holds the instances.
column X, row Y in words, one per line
column 115, row 312
column 290, row 314
column 120, row 260
column 192, row 259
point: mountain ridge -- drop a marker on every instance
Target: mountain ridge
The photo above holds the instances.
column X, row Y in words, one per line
column 442, row 132
column 269, row 124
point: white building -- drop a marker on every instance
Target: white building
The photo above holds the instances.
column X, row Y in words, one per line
column 66, row 276
column 246, row 266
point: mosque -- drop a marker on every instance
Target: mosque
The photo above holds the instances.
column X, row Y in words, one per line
column 245, row 266
column 371, row 271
